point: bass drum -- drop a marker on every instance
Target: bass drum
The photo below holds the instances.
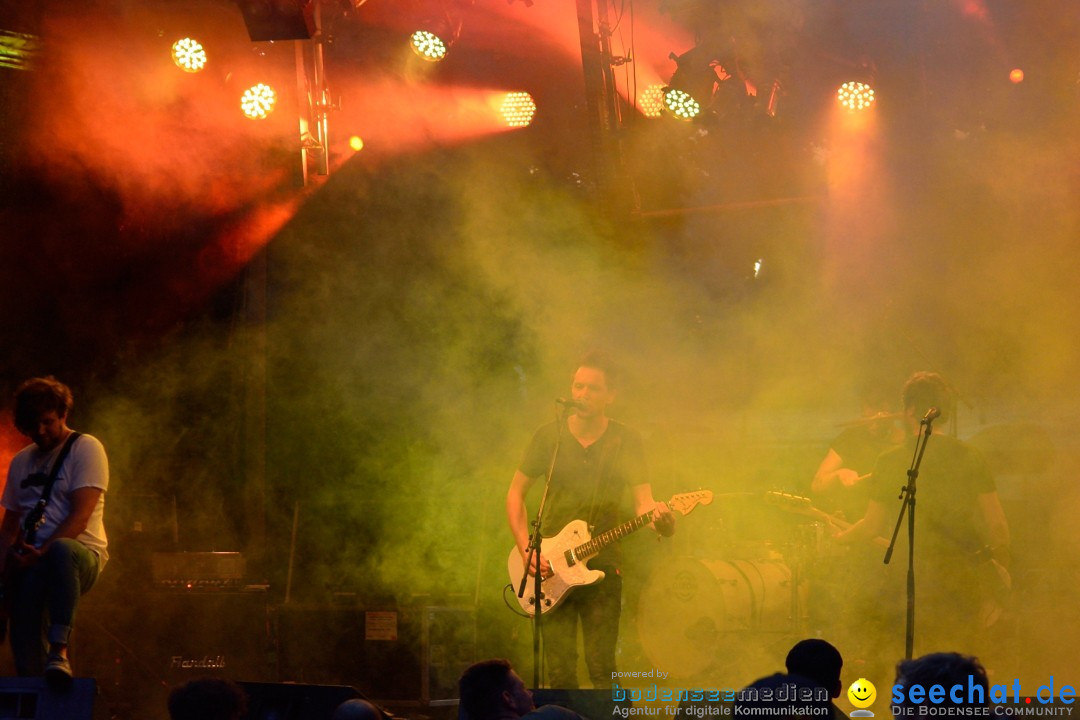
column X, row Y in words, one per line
column 692, row 613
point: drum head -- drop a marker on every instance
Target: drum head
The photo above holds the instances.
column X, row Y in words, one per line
column 681, row 614
column 697, row 615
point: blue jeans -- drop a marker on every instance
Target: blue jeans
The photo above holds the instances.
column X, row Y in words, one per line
column 43, row 601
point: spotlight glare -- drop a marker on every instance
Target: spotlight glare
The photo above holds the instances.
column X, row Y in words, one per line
column 428, row 45
column 651, row 101
column 681, row 104
column 855, row 95
column 258, row 101
column 518, row 109
column 188, row 55
column 1017, row 75
column 356, row 143
column 18, row 50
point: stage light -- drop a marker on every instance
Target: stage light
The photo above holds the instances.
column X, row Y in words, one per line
column 18, row 50
column 428, row 45
column 437, row 31
column 1016, row 76
column 855, row 95
column 651, row 101
column 356, row 143
column 258, row 101
column 681, row 104
column 693, row 84
column 189, row 55
column 518, row 109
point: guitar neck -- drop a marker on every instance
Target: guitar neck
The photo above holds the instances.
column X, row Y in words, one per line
column 601, row 541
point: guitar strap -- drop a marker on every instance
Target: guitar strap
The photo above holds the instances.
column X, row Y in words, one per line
column 33, row 518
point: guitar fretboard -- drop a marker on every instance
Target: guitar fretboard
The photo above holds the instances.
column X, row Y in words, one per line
column 598, row 543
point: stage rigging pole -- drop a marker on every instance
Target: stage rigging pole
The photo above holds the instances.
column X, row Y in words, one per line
column 614, row 189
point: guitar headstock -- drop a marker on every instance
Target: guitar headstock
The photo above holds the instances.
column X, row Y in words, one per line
column 686, row 502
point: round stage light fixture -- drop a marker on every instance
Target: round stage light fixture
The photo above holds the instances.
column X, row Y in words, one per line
column 518, row 109
column 681, row 104
column 356, row 143
column 694, row 84
column 258, row 101
column 855, row 95
column 428, row 45
column 189, row 55
column 1016, row 75
column 651, row 101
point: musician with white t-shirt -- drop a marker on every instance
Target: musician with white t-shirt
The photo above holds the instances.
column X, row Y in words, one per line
column 48, row 564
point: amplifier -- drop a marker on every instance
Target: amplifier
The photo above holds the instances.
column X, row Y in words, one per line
column 198, row 569
column 166, row 638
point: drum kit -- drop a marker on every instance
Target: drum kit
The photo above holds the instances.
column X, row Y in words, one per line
column 743, row 597
column 764, row 573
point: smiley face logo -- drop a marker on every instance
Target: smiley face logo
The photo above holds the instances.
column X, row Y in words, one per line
column 862, row 693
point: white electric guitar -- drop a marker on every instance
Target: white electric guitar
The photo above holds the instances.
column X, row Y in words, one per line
column 573, row 546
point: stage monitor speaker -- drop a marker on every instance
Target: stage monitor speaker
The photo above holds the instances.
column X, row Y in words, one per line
column 32, row 699
column 587, row 703
column 277, row 19
column 288, row 701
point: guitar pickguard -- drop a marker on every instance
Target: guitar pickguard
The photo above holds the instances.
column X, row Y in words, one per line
column 568, row 572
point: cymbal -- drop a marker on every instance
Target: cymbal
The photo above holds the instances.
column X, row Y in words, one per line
column 871, row 419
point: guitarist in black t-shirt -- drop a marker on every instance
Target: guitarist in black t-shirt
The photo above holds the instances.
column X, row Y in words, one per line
column 600, row 463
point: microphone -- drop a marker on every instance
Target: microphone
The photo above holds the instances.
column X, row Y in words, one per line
column 931, row 415
column 569, row 403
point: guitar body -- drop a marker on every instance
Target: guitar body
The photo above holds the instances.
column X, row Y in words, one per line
column 568, row 573
column 569, row 551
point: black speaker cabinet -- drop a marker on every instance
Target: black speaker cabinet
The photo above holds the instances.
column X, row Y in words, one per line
column 411, row 654
column 165, row 638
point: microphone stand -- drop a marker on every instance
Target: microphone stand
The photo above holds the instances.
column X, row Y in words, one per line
column 533, row 558
column 907, row 494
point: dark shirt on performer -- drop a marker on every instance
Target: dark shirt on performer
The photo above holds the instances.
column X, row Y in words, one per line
column 951, row 477
column 588, row 483
column 955, row 580
column 859, row 449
